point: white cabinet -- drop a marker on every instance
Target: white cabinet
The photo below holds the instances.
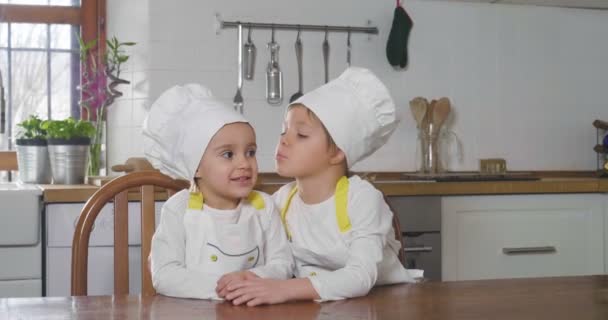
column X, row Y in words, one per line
column 488, row 237
column 20, row 245
column 61, row 221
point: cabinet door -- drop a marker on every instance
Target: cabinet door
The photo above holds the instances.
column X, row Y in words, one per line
column 488, row 237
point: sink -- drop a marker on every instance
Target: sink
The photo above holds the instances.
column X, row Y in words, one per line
column 20, row 208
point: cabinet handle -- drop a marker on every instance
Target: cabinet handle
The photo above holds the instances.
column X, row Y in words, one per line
column 418, row 249
column 528, row 250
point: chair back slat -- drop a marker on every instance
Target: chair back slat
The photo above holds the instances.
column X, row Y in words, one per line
column 117, row 190
column 147, row 231
column 121, row 243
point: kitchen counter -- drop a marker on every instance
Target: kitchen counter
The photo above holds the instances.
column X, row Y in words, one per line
column 392, row 184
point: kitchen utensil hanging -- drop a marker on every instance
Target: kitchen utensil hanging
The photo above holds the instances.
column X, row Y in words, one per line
column 326, row 57
column 298, row 48
column 274, row 76
column 250, row 54
column 238, row 98
column 348, row 48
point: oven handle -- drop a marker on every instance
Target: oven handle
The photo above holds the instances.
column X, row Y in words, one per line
column 418, row 249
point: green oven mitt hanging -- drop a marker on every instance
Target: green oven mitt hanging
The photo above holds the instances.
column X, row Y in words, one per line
column 396, row 47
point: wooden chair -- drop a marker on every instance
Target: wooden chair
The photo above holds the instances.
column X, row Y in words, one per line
column 398, row 234
column 118, row 191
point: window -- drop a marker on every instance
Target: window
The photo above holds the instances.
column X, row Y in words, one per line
column 39, row 59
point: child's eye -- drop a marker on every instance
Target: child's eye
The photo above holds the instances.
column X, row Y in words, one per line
column 303, row 136
column 251, row 153
column 228, row 154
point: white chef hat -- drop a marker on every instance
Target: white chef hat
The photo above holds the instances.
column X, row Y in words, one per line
column 357, row 110
column 179, row 126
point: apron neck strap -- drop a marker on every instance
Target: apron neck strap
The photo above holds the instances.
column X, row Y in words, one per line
column 197, row 200
column 341, row 200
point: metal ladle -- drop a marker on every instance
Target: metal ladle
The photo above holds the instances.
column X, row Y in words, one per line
column 298, row 47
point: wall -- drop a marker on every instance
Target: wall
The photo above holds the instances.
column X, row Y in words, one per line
column 525, row 82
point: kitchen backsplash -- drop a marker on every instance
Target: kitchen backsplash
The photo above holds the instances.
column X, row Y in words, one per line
column 525, row 82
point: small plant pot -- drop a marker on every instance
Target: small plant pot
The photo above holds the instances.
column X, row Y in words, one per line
column 69, row 159
column 33, row 161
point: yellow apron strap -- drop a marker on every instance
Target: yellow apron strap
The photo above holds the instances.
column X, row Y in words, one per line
column 284, row 211
column 341, row 197
column 196, row 201
column 256, row 200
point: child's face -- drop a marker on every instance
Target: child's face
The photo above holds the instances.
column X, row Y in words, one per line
column 229, row 169
column 303, row 148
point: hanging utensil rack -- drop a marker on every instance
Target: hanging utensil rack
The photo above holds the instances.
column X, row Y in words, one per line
column 223, row 24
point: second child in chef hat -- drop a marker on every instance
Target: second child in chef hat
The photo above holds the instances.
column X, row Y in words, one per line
column 221, row 230
column 340, row 228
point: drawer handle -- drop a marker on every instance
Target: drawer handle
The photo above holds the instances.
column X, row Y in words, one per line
column 528, row 250
column 418, row 249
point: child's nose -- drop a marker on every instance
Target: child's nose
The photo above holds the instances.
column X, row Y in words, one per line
column 283, row 139
column 243, row 162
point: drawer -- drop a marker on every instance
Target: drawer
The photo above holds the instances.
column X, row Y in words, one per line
column 21, row 262
column 20, row 215
column 21, row 288
column 490, row 237
column 62, row 219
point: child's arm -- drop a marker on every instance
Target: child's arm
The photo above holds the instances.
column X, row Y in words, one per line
column 270, row 291
column 279, row 262
column 371, row 221
column 170, row 276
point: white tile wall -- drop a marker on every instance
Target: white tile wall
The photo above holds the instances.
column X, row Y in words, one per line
column 526, row 82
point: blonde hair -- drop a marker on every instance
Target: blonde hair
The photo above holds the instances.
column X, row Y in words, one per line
column 331, row 144
column 330, row 141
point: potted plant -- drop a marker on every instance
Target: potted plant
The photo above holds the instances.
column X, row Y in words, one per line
column 32, row 152
column 68, row 142
column 98, row 91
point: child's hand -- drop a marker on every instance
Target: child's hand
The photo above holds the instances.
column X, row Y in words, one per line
column 232, row 277
column 258, row 291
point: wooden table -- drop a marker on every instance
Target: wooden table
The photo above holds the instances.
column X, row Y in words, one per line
column 542, row 298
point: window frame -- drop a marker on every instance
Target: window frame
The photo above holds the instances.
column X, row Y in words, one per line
column 90, row 15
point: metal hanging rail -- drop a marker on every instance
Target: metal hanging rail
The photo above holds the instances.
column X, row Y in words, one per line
column 303, row 27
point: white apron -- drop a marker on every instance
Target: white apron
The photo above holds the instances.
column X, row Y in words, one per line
column 218, row 247
column 329, row 259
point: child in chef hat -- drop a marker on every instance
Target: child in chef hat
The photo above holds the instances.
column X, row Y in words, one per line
column 221, row 230
column 339, row 227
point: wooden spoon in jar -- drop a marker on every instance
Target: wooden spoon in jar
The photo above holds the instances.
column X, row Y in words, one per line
column 441, row 111
column 418, row 106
